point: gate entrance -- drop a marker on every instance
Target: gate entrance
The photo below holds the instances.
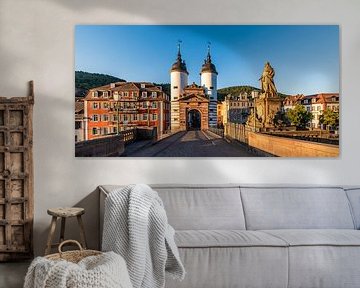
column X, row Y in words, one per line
column 193, row 120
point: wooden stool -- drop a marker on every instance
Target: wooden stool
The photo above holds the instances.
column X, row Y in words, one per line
column 64, row 213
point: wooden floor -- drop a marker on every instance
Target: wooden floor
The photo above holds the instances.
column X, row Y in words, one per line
column 12, row 274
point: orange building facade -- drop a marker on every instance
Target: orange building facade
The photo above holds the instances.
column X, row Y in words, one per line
column 125, row 105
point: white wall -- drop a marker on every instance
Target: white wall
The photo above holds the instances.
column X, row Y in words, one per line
column 37, row 42
column 209, row 80
column 179, row 79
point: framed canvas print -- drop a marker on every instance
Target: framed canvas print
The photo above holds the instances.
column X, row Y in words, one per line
column 207, row 91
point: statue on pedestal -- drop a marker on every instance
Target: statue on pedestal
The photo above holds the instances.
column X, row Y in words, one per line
column 267, row 81
column 269, row 102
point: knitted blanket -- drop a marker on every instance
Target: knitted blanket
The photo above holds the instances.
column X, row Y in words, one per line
column 103, row 271
column 136, row 227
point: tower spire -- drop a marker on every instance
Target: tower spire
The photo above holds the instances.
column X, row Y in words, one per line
column 208, row 57
column 179, row 49
column 208, row 66
column 179, row 64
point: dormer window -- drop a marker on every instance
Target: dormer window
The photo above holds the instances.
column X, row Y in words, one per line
column 106, row 94
column 142, row 85
column 95, row 94
column 144, row 94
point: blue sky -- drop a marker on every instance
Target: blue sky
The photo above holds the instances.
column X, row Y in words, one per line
column 305, row 57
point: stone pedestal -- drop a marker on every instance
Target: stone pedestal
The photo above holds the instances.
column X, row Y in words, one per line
column 266, row 109
column 272, row 107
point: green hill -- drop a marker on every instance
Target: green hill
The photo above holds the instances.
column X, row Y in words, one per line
column 85, row 81
column 235, row 90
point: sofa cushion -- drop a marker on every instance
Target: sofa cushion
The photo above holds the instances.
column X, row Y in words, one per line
column 206, row 208
column 324, row 266
column 315, row 237
column 354, row 198
column 296, row 208
column 322, row 258
column 191, row 207
column 220, row 267
column 226, row 238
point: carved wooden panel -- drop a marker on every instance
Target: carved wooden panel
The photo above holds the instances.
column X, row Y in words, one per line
column 16, row 177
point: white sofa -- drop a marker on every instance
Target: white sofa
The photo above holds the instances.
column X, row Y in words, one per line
column 263, row 236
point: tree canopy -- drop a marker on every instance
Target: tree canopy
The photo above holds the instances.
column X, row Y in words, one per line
column 299, row 116
column 329, row 118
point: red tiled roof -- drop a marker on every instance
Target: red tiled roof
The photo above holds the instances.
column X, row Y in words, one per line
column 107, row 86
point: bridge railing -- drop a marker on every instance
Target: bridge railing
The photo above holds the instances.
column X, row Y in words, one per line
column 113, row 144
column 101, row 147
column 217, row 131
column 236, row 131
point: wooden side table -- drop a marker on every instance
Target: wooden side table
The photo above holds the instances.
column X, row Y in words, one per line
column 64, row 213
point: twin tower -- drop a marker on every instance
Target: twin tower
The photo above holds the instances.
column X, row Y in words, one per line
column 179, row 83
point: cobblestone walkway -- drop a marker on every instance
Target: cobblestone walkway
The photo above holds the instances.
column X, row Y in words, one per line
column 193, row 144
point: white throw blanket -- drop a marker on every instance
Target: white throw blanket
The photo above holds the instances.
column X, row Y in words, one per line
column 102, row 271
column 136, row 227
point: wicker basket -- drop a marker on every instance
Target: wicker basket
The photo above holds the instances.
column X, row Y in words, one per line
column 72, row 256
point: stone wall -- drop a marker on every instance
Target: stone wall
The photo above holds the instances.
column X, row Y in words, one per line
column 102, row 147
column 286, row 147
column 113, row 145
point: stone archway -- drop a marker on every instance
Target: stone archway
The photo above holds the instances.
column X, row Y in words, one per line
column 197, row 107
column 193, row 120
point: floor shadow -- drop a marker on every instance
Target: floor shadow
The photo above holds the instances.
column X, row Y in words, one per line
column 12, row 274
